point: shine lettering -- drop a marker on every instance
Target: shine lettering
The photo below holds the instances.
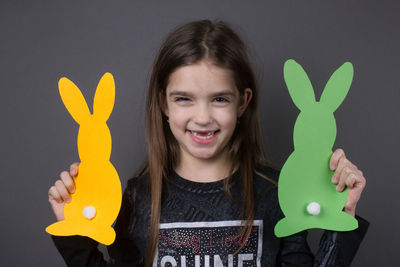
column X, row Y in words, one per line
column 170, row 261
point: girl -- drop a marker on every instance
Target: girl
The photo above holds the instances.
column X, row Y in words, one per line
column 206, row 196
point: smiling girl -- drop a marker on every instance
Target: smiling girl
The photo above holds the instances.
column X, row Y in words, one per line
column 206, row 195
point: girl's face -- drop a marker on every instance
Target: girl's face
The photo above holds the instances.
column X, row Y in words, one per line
column 203, row 105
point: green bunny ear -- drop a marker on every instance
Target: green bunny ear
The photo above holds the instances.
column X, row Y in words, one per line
column 298, row 84
column 337, row 87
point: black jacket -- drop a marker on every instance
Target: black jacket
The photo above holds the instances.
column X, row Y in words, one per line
column 200, row 224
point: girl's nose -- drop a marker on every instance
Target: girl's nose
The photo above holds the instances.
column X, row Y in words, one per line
column 203, row 115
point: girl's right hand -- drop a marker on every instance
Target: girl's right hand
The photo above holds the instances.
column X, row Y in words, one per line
column 60, row 192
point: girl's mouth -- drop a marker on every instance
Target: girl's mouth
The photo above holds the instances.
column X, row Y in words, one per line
column 203, row 137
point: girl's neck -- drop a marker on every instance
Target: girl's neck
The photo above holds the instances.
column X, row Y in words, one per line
column 203, row 171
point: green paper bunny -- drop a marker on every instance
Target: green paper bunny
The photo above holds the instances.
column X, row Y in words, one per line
column 306, row 194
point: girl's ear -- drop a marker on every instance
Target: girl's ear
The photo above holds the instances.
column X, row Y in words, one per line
column 337, row 86
column 298, row 84
column 104, row 97
column 163, row 103
column 244, row 101
column 73, row 100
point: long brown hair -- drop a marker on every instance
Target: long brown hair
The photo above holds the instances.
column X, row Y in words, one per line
column 188, row 44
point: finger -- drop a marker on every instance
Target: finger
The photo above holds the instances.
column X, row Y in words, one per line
column 351, row 202
column 333, row 163
column 341, row 164
column 73, row 169
column 345, row 173
column 360, row 181
column 62, row 190
column 351, row 180
column 68, row 181
column 53, row 194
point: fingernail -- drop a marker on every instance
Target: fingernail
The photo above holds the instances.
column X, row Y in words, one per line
column 68, row 200
column 338, row 188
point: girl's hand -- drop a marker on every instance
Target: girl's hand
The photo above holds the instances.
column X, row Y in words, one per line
column 60, row 192
column 347, row 174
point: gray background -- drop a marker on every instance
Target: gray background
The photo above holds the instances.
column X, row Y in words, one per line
column 42, row 41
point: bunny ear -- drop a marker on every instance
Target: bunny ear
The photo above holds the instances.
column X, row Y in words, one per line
column 337, row 87
column 73, row 100
column 104, row 97
column 298, row 84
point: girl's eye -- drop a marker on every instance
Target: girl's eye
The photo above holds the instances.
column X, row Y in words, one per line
column 181, row 99
column 221, row 99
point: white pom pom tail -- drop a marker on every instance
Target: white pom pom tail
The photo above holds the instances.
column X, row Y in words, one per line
column 313, row 208
column 89, row 212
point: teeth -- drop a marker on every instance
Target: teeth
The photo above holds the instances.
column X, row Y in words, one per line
column 202, row 136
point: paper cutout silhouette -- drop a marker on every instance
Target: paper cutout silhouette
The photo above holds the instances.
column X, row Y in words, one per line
column 306, row 194
column 96, row 202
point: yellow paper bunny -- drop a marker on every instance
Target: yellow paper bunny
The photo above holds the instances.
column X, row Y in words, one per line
column 96, row 202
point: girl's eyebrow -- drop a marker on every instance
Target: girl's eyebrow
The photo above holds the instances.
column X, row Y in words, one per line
column 180, row 93
column 224, row 93
column 183, row 93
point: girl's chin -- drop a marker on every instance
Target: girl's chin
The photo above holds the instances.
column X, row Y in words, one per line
column 206, row 155
column 212, row 152
column 197, row 153
column 203, row 156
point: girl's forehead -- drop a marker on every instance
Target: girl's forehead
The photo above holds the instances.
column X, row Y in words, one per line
column 203, row 76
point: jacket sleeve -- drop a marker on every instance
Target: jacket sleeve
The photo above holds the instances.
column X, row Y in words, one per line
column 79, row 251
column 83, row 251
column 335, row 248
column 339, row 248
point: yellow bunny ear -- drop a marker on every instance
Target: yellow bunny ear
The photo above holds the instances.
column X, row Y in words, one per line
column 73, row 100
column 104, row 97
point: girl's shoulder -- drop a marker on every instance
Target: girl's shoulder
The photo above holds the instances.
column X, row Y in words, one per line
column 141, row 180
column 138, row 185
column 266, row 174
column 266, row 194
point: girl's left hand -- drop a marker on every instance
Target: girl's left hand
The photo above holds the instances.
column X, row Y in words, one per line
column 347, row 174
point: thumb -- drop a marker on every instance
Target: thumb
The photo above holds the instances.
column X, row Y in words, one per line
column 58, row 208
